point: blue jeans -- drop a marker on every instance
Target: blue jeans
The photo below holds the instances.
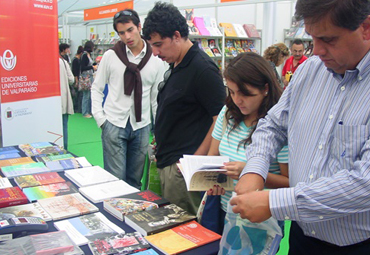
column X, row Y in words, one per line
column 124, row 151
column 86, row 102
column 65, row 130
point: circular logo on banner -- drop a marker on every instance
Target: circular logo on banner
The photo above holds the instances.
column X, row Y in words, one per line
column 8, row 60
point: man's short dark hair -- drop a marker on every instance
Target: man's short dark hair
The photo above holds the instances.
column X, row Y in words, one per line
column 126, row 16
column 63, row 47
column 164, row 19
column 347, row 14
column 298, row 42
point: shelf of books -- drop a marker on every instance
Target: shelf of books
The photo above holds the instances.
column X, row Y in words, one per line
column 87, row 210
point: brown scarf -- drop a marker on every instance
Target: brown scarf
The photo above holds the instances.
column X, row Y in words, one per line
column 131, row 76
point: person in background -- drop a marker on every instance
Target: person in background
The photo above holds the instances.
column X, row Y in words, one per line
column 87, row 67
column 253, row 90
column 292, row 63
column 65, row 51
column 76, row 70
column 189, row 99
column 276, row 55
column 324, row 113
column 132, row 74
column 66, row 79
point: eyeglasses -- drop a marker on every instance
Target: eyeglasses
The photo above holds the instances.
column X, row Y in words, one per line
column 166, row 75
column 122, row 13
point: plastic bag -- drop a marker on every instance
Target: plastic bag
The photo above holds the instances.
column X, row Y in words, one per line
column 242, row 237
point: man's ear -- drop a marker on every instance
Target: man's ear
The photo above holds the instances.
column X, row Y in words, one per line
column 176, row 35
column 366, row 28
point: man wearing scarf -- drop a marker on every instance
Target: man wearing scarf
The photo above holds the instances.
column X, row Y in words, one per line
column 132, row 74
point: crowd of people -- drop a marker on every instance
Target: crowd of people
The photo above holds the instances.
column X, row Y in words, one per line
column 298, row 143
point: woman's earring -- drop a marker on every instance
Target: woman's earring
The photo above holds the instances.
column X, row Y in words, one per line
column 266, row 93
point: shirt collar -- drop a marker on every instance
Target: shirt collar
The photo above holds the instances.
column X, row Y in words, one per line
column 142, row 53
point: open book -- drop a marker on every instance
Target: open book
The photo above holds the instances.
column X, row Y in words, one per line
column 202, row 172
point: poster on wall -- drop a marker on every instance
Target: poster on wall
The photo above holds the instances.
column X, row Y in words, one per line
column 29, row 72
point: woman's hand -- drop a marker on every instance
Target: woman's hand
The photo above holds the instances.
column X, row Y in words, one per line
column 234, row 169
column 216, row 191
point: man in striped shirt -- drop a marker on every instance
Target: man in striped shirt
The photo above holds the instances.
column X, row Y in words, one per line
column 325, row 115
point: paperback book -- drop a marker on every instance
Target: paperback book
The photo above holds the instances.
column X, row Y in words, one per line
column 41, row 244
column 119, row 207
column 5, row 183
column 26, row 210
column 8, row 149
column 16, row 161
column 9, row 155
column 87, row 227
column 98, row 192
column 146, row 195
column 157, row 220
column 50, row 190
column 33, row 180
column 25, row 169
column 201, row 173
column 67, row 206
column 63, row 164
column 12, row 196
column 89, row 176
column 128, row 243
column 185, row 237
column 45, row 159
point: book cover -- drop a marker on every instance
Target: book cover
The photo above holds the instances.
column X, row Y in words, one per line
column 240, row 30
column 5, row 183
column 128, row 243
column 119, row 207
column 201, row 173
column 8, row 150
column 50, row 190
column 251, row 30
column 157, row 220
column 228, row 29
column 66, row 206
column 199, row 23
column 63, row 164
column 186, row 237
column 16, row 161
column 98, row 192
column 26, row 210
column 10, row 155
column 44, row 159
column 87, row 176
column 33, row 180
column 147, row 252
column 12, row 196
column 24, row 169
column 87, row 227
column 147, row 195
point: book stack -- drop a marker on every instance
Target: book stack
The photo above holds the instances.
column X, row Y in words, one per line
column 12, row 196
column 157, row 220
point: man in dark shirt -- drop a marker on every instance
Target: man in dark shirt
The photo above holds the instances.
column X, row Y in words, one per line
column 189, row 100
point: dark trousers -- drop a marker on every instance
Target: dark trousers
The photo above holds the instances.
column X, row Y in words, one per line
column 299, row 244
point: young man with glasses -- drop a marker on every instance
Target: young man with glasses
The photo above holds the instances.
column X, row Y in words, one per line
column 132, row 74
column 190, row 97
column 292, row 63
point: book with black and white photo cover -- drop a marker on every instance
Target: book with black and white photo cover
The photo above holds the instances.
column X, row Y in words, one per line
column 27, row 210
column 157, row 220
column 98, row 192
column 128, row 243
column 87, row 176
column 201, row 173
column 67, row 206
column 87, row 227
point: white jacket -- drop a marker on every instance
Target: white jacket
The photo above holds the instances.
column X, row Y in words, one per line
column 66, row 78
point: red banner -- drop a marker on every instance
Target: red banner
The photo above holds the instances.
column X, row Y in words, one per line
column 106, row 11
column 29, row 67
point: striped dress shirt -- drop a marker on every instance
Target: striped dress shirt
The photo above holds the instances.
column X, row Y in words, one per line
column 325, row 117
